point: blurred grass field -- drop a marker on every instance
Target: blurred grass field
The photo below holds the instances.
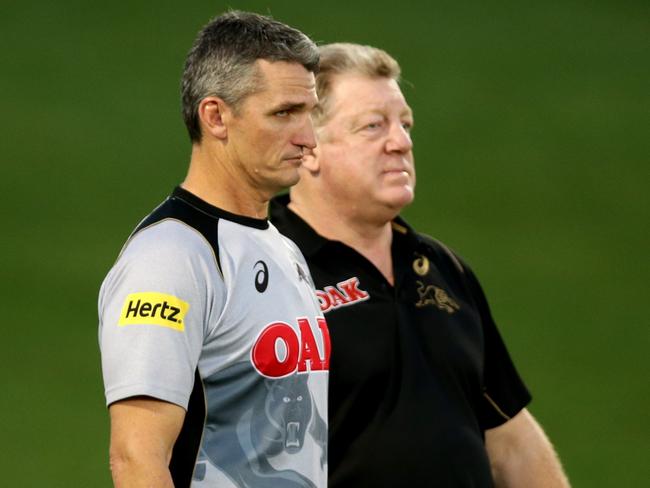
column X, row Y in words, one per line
column 532, row 148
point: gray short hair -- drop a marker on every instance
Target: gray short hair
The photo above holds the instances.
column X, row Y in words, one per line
column 346, row 58
column 221, row 61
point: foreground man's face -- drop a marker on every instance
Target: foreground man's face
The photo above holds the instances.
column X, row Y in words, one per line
column 273, row 126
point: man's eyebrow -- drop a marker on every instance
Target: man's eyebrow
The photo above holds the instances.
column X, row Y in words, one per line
column 289, row 106
column 380, row 111
column 371, row 111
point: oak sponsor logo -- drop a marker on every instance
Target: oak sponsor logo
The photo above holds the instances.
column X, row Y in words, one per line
column 280, row 350
column 151, row 308
column 344, row 293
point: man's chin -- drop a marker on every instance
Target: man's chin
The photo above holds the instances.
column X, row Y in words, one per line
column 288, row 179
column 400, row 198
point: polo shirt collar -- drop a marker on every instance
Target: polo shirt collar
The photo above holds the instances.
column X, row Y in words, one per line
column 292, row 226
column 310, row 242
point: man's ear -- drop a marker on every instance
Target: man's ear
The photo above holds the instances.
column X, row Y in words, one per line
column 311, row 159
column 212, row 111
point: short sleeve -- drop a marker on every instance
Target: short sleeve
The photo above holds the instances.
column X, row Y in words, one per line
column 154, row 310
column 504, row 392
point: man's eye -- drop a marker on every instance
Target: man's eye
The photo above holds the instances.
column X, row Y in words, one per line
column 282, row 113
column 407, row 126
column 373, row 125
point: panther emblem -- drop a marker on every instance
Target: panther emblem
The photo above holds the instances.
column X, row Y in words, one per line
column 432, row 295
column 275, row 421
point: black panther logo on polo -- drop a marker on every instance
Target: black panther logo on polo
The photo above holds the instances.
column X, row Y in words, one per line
column 433, row 295
column 262, row 276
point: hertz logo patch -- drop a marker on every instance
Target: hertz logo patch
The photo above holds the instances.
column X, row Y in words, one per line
column 154, row 309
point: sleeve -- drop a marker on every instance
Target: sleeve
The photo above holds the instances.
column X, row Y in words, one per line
column 504, row 393
column 154, row 311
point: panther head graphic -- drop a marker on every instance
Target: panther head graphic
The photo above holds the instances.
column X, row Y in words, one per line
column 278, row 418
column 287, row 409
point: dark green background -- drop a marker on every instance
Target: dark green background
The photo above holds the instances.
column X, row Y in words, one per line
column 532, row 150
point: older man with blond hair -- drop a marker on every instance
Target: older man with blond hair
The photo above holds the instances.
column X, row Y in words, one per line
column 422, row 389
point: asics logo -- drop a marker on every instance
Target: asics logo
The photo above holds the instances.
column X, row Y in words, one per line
column 262, row 276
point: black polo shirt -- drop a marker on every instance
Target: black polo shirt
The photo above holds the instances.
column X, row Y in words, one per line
column 418, row 370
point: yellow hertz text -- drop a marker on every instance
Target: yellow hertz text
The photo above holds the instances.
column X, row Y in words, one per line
column 154, row 309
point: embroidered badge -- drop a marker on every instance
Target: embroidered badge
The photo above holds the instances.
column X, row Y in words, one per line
column 421, row 265
column 432, row 295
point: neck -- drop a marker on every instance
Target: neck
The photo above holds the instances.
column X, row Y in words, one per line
column 214, row 180
column 370, row 238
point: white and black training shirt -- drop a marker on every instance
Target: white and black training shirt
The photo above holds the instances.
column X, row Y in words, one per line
column 216, row 313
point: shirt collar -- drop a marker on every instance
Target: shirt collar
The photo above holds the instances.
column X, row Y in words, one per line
column 292, row 226
column 197, row 203
column 308, row 240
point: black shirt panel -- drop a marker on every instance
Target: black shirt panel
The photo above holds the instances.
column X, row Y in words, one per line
column 410, row 363
column 501, row 399
column 184, row 206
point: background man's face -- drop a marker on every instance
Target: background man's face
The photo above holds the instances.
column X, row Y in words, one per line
column 365, row 148
column 272, row 125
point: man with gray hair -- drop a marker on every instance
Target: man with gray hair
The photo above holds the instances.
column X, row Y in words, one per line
column 422, row 389
column 215, row 353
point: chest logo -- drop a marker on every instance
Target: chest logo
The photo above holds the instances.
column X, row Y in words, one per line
column 421, row 265
column 262, row 276
column 343, row 294
column 280, row 350
column 302, row 276
column 432, row 295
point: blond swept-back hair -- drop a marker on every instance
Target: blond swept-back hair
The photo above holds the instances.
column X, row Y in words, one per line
column 347, row 58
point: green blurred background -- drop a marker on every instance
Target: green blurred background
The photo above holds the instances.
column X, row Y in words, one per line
column 532, row 149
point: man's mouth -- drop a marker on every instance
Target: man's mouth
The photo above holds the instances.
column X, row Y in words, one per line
column 296, row 160
column 396, row 171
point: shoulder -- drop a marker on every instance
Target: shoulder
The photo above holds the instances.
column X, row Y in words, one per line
column 168, row 238
column 165, row 253
column 288, row 245
column 428, row 248
column 453, row 268
column 287, row 241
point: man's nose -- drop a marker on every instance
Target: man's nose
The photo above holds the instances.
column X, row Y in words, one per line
column 399, row 139
column 306, row 136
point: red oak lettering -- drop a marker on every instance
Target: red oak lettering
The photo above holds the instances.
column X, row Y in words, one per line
column 336, row 296
column 324, row 300
column 300, row 353
column 325, row 333
column 344, row 293
column 351, row 289
column 309, row 351
column 265, row 356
